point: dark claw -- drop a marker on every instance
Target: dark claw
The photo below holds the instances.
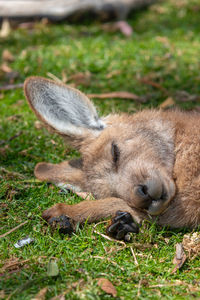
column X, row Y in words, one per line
column 121, row 225
column 63, row 223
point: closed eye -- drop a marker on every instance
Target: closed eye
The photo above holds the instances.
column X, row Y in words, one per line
column 115, row 152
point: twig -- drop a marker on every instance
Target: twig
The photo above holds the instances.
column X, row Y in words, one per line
column 134, row 256
column 12, row 230
column 15, row 263
column 102, row 222
column 107, row 258
column 9, row 87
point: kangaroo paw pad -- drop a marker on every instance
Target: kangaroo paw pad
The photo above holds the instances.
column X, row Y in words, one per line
column 63, row 223
column 121, row 225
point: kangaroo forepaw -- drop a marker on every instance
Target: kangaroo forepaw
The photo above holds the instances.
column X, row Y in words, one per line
column 121, row 225
column 63, row 223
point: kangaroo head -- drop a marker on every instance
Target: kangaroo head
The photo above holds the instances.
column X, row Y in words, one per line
column 123, row 156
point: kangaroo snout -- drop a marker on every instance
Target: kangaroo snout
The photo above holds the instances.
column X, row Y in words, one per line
column 153, row 195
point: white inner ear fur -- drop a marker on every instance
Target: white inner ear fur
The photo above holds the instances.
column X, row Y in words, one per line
column 64, row 108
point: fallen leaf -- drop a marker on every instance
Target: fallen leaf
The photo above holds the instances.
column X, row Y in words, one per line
column 41, row 294
column 191, row 243
column 7, row 55
column 5, row 28
column 52, row 268
column 179, row 258
column 167, row 103
column 107, row 286
column 121, row 95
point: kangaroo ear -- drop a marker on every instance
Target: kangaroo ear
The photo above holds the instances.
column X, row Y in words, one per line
column 62, row 108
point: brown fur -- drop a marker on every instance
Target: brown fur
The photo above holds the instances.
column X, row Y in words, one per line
column 158, row 149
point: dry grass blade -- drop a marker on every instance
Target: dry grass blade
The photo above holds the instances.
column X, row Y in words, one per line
column 120, row 95
column 153, row 84
column 106, row 236
column 12, row 230
column 14, row 264
column 54, row 77
column 11, row 174
column 134, row 256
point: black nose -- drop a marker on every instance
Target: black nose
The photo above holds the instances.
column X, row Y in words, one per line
column 143, row 199
column 142, row 191
column 152, row 190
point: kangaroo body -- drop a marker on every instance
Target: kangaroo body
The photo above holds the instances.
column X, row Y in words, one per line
column 146, row 164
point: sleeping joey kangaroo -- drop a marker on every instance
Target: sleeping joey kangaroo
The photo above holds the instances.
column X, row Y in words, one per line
column 139, row 166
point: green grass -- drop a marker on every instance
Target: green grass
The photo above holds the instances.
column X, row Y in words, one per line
column 165, row 47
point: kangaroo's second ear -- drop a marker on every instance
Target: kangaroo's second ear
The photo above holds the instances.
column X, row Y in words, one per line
column 61, row 107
